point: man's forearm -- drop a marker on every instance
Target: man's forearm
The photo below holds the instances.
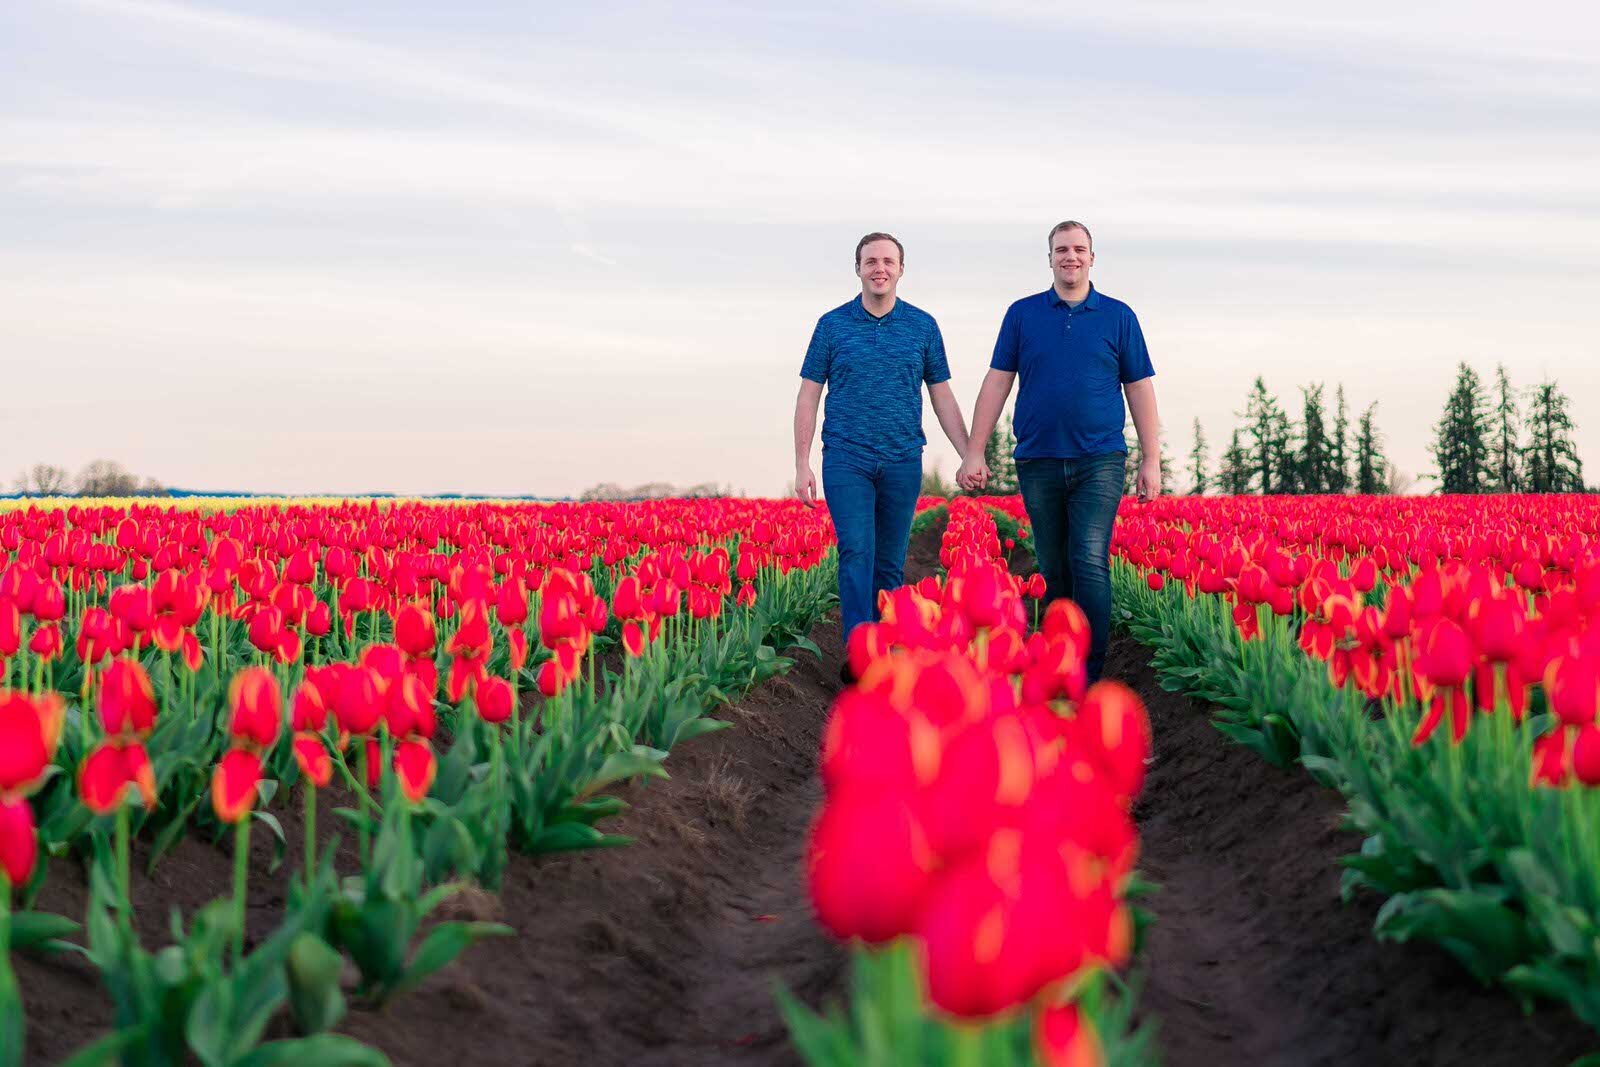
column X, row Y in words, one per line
column 805, row 428
column 986, row 410
column 1146, row 423
column 954, row 426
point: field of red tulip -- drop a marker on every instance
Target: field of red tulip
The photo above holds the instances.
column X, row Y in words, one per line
column 377, row 711
column 173, row 673
column 1435, row 660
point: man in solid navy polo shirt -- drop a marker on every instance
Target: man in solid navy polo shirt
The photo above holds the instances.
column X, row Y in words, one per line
column 874, row 353
column 1077, row 353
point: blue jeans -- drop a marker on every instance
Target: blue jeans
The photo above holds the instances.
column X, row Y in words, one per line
column 871, row 502
column 1072, row 504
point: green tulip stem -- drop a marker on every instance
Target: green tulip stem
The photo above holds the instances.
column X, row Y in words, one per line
column 310, row 860
column 124, row 864
column 241, row 878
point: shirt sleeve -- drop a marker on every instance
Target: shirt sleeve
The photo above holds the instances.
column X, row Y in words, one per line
column 1133, row 358
column 819, row 355
column 1008, row 344
column 935, row 368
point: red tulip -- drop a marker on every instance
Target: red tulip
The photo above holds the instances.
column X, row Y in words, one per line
column 1572, row 685
column 494, row 698
column 311, row 755
column 1117, row 732
column 257, row 707
column 233, row 784
column 1063, row 1038
column 633, row 640
column 127, row 700
column 1446, row 656
column 517, row 645
column 868, row 743
column 511, row 603
column 868, row 863
column 414, row 630
column 1065, row 619
column 30, row 729
column 416, row 767
column 19, row 844
column 106, row 775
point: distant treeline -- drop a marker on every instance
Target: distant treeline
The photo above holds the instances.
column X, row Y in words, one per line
column 1488, row 440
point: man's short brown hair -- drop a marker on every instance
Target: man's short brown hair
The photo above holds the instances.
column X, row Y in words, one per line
column 1070, row 224
column 871, row 237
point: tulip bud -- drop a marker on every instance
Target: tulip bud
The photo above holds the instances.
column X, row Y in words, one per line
column 494, row 699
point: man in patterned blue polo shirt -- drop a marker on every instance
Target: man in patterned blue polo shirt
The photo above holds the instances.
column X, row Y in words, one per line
column 1077, row 353
column 874, row 354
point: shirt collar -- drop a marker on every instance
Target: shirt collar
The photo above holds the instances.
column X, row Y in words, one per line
column 863, row 313
column 1090, row 302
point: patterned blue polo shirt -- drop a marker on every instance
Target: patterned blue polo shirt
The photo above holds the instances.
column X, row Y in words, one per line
column 874, row 369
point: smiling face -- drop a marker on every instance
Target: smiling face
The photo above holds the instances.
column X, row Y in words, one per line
column 879, row 268
column 1071, row 256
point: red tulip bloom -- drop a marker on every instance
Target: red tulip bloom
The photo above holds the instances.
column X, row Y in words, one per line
column 494, row 698
column 1586, row 754
column 19, row 843
column 1572, row 684
column 312, row 757
column 359, row 703
column 633, row 639
column 127, row 700
column 414, row 631
column 1552, row 759
column 257, row 705
column 511, row 603
column 1445, row 662
column 30, row 729
column 1064, row 618
column 1117, row 732
column 1063, row 1038
column 416, row 767
column 868, row 865
column 233, row 784
column 114, row 767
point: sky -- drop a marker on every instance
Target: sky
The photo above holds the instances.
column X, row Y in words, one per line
column 526, row 248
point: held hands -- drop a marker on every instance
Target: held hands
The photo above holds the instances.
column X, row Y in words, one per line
column 805, row 485
column 1149, row 479
column 974, row 474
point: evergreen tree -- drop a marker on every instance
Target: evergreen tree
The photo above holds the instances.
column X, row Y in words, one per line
column 1372, row 469
column 1197, row 462
column 1460, row 444
column 1550, row 461
column 1233, row 479
column 1268, row 430
column 1339, row 473
column 1130, row 469
column 997, row 455
column 1285, row 454
column 1168, row 474
column 1504, row 454
column 1314, row 463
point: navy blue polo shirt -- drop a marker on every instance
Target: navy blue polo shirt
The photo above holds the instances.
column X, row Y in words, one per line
column 1071, row 364
column 875, row 368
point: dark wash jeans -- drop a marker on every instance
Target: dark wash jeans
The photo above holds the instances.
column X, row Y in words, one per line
column 1072, row 504
column 871, row 502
